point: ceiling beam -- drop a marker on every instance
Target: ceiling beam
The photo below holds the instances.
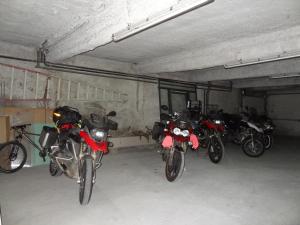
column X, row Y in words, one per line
column 265, row 82
column 289, row 66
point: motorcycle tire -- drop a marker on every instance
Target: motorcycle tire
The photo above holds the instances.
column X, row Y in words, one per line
column 54, row 169
column 268, row 141
column 203, row 138
column 164, row 155
column 216, row 149
column 17, row 160
column 175, row 169
column 86, row 176
column 253, row 147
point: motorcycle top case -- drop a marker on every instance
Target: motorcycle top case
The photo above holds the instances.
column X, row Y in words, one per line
column 48, row 137
column 66, row 114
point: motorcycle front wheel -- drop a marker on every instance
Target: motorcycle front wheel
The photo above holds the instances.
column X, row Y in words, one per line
column 253, row 147
column 86, row 175
column 174, row 165
column 216, row 149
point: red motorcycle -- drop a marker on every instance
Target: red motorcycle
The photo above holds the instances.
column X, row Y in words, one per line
column 177, row 136
column 209, row 133
column 76, row 147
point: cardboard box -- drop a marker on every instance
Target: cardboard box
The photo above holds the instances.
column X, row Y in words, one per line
column 20, row 115
column 4, row 129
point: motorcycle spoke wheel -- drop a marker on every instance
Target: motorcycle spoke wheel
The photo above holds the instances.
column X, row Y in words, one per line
column 13, row 157
column 86, row 175
column 216, row 150
column 253, row 148
column 268, row 141
column 175, row 169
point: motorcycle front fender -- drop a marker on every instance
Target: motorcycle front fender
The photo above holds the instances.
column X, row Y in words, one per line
column 95, row 146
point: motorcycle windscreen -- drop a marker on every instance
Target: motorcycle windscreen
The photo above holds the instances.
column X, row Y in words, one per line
column 167, row 142
column 194, row 140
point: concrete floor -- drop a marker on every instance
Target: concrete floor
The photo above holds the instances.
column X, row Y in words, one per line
column 131, row 190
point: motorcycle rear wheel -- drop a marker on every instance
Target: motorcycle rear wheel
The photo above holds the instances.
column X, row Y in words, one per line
column 175, row 169
column 216, row 149
column 268, row 141
column 253, row 147
column 86, row 175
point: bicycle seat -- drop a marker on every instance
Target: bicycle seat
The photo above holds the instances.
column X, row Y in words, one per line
column 21, row 126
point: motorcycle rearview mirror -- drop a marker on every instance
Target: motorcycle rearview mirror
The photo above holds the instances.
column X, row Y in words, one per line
column 112, row 113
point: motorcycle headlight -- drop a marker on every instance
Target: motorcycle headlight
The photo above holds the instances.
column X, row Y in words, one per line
column 185, row 133
column 217, row 121
column 97, row 134
column 176, row 131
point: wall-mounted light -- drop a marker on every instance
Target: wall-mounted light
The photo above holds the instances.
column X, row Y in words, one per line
column 172, row 12
column 281, row 76
column 260, row 60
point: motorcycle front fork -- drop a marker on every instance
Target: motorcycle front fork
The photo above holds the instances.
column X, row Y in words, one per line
column 96, row 156
column 183, row 145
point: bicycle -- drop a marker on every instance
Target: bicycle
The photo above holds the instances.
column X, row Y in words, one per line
column 13, row 154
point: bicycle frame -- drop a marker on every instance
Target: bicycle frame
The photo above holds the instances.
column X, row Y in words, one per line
column 24, row 134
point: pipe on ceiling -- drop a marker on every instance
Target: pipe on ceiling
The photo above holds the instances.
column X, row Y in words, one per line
column 43, row 64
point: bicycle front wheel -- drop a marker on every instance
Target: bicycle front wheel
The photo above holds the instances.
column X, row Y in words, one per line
column 13, row 156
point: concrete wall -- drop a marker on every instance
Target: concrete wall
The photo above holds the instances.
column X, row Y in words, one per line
column 285, row 111
column 257, row 103
column 136, row 103
column 228, row 101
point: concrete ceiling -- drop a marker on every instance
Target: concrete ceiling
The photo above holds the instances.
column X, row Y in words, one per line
column 221, row 21
column 219, row 33
column 31, row 22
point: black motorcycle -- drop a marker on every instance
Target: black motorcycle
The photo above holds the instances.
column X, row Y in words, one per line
column 268, row 127
column 241, row 131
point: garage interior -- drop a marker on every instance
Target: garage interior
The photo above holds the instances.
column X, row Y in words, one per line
column 133, row 57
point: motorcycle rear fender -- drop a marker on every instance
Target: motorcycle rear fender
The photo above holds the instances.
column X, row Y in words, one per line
column 95, row 146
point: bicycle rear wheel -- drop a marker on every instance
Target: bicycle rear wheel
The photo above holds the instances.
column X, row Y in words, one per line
column 13, row 156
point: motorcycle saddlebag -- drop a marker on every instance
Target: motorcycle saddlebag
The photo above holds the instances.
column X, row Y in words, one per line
column 157, row 130
column 48, row 137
